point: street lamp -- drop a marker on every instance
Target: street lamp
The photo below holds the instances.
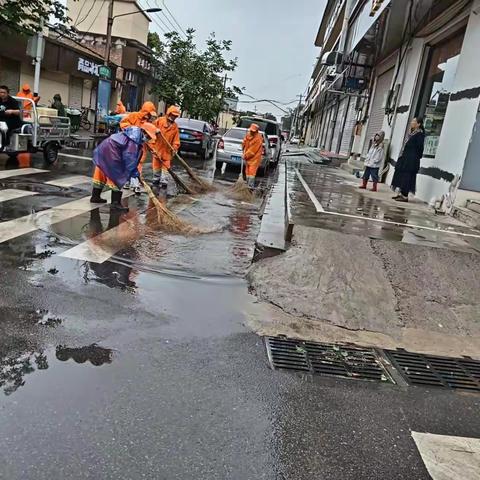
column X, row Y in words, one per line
column 111, row 18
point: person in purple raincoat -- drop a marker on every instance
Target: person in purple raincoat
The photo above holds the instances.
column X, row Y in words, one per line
column 116, row 162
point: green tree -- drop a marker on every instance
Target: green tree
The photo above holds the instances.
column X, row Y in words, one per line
column 192, row 79
column 23, row 16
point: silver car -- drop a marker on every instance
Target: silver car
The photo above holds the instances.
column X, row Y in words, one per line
column 229, row 149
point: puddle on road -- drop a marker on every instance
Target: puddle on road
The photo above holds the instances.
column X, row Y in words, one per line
column 15, row 370
column 227, row 250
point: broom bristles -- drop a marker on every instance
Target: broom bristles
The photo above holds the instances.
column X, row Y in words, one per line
column 167, row 220
column 241, row 191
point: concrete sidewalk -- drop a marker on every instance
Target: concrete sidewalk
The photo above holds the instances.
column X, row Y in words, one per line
column 364, row 269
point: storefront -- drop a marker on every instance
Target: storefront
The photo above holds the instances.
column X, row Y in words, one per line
column 441, row 84
column 437, row 86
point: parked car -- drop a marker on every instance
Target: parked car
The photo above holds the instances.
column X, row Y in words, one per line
column 229, row 149
column 196, row 136
column 273, row 131
column 295, row 140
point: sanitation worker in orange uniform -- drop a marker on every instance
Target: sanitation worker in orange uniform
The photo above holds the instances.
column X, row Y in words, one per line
column 25, row 92
column 147, row 113
column 167, row 139
column 252, row 153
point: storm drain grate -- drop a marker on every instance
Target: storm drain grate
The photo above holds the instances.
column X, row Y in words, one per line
column 428, row 370
column 325, row 359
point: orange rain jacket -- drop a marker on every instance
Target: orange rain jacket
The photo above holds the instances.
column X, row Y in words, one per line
column 171, row 134
column 135, row 119
column 25, row 92
column 120, row 108
column 252, row 152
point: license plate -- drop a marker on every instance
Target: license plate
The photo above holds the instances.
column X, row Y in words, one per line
column 236, row 158
column 184, row 136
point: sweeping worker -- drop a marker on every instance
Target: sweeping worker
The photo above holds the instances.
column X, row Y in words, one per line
column 117, row 161
column 252, row 153
column 148, row 114
column 167, row 139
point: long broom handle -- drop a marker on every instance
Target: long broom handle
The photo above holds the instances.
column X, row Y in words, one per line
column 172, row 173
column 182, row 161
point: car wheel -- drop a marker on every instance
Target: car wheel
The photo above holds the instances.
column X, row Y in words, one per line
column 50, row 153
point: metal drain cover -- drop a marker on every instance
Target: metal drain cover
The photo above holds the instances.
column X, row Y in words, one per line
column 325, row 359
column 428, row 370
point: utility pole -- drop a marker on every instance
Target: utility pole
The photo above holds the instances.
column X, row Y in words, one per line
column 38, row 59
column 223, row 97
column 108, row 45
column 295, row 120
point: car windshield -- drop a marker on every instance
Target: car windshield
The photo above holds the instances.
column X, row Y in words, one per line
column 190, row 123
column 236, row 133
column 267, row 127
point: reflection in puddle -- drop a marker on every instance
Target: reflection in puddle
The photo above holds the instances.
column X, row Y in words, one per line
column 14, row 368
column 96, row 355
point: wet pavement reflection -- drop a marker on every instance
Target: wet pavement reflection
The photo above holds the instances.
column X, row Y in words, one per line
column 349, row 210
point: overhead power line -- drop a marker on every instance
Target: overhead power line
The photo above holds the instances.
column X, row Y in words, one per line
column 79, row 12
column 156, row 18
column 93, row 21
column 86, row 15
column 173, row 17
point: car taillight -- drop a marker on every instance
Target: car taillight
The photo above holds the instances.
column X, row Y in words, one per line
column 198, row 135
column 221, row 144
column 273, row 141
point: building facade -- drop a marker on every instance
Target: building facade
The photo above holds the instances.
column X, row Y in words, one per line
column 404, row 59
column 68, row 70
column 130, row 54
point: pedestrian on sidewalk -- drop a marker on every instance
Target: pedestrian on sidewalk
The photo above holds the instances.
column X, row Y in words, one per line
column 117, row 161
column 373, row 161
column 168, row 138
column 58, row 105
column 252, row 153
column 408, row 163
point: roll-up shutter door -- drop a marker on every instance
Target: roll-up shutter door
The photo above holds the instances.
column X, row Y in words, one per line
column 349, row 126
column 338, row 125
column 75, row 92
column 377, row 112
column 10, row 74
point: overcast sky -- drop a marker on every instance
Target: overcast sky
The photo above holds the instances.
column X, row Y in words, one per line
column 273, row 40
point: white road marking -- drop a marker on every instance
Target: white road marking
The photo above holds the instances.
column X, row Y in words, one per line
column 319, row 209
column 13, row 193
column 318, row 206
column 104, row 246
column 20, row 171
column 42, row 220
column 69, row 181
column 449, row 458
column 71, row 155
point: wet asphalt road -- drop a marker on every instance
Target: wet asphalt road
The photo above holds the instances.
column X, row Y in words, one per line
column 141, row 366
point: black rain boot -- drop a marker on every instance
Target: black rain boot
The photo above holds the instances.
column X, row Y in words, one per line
column 96, row 198
column 117, row 202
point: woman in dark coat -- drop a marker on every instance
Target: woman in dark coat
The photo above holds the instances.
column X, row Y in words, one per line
column 408, row 164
